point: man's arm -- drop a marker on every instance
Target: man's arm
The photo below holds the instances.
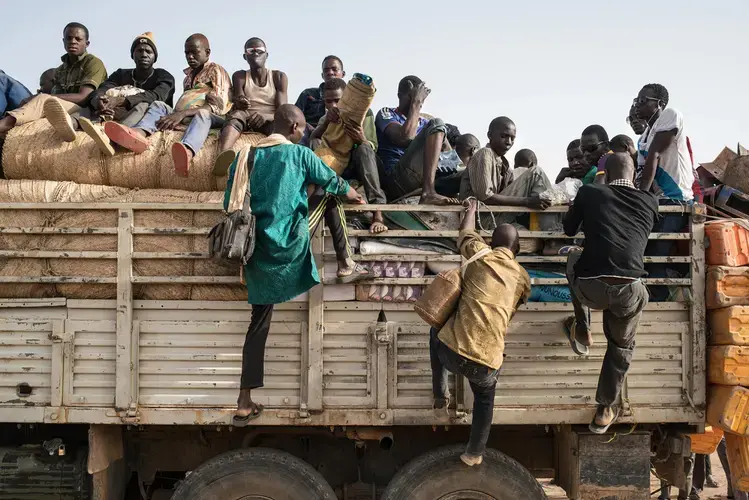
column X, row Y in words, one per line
column 164, row 89
column 402, row 135
column 281, row 81
column 480, row 176
column 100, row 92
column 320, row 129
column 563, row 174
column 79, row 97
column 469, row 218
column 661, row 142
column 574, row 217
column 94, row 74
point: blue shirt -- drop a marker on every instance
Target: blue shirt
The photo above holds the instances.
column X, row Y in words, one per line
column 390, row 153
column 12, row 92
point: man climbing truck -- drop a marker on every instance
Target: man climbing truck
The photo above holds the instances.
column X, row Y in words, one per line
column 121, row 344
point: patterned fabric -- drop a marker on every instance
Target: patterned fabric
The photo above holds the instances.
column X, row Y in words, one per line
column 86, row 69
column 493, row 287
column 390, row 153
column 622, row 182
column 212, row 86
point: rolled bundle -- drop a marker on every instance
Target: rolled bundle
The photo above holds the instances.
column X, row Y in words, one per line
column 336, row 145
column 33, row 151
column 61, row 192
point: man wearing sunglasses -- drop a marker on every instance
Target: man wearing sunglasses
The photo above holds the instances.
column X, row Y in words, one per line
column 594, row 144
column 258, row 93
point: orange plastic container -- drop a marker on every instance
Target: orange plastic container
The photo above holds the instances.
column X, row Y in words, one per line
column 729, row 326
column 728, row 365
column 728, row 408
column 706, row 443
column 727, row 286
column 727, row 244
column 737, row 448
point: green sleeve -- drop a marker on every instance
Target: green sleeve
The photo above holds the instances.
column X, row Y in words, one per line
column 370, row 132
column 590, row 176
column 320, row 174
column 94, row 73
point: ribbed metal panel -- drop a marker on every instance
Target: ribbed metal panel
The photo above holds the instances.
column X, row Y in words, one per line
column 25, row 358
column 93, row 362
column 29, row 473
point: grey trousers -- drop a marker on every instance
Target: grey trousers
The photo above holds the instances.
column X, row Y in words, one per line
column 364, row 168
column 622, row 307
column 408, row 174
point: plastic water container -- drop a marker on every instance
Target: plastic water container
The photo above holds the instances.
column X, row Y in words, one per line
column 708, row 442
column 737, row 448
column 727, row 286
column 728, row 408
column 729, row 325
column 728, row 244
column 728, row 365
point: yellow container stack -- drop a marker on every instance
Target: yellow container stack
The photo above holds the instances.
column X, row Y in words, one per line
column 727, row 300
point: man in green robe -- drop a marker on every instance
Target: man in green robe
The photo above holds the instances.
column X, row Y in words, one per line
column 282, row 266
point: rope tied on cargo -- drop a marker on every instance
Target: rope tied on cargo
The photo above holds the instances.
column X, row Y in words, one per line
column 483, row 205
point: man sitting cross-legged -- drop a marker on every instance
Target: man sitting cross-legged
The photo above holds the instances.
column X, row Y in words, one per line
column 202, row 106
column 258, row 93
column 410, row 145
column 617, row 219
column 472, row 342
column 363, row 164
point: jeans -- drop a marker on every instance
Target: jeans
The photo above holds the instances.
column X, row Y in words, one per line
column 408, row 174
column 666, row 223
column 483, row 381
column 197, row 130
column 12, row 92
column 364, row 168
column 622, row 307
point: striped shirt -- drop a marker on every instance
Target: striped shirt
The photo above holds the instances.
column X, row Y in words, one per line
column 487, row 174
column 212, row 86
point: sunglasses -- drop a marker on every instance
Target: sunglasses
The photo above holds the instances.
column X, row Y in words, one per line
column 592, row 147
column 255, row 52
column 643, row 100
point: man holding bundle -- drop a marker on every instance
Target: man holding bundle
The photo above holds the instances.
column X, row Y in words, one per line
column 472, row 342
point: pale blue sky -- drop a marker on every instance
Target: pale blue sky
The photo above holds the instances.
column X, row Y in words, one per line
column 553, row 66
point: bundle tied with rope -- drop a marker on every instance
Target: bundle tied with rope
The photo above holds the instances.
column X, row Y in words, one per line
column 336, row 146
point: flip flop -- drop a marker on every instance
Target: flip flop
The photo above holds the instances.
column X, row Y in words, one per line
column 60, row 120
column 181, row 159
column 441, row 407
column 601, row 429
column 97, row 135
column 223, row 163
column 567, row 249
column 243, row 420
column 357, row 274
column 126, row 137
column 569, row 332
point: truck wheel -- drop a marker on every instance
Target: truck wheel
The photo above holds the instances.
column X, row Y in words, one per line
column 440, row 475
column 254, row 474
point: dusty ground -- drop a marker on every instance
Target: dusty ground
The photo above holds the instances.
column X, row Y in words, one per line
column 708, row 494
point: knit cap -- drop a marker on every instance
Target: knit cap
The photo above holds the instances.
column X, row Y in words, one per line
column 146, row 38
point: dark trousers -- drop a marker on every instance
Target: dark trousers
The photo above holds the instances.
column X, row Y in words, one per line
column 364, row 168
column 324, row 205
column 666, row 223
column 622, row 307
column 483, row 381
column 253, row 353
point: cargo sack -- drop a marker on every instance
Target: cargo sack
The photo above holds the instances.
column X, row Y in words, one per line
column 439, row 300
column 233, row 239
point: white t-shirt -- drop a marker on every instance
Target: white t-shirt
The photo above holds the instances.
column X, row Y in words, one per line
column 674, row 175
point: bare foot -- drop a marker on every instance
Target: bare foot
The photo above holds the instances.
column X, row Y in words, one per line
column 378, row 224
column 437, row 199
column 245, row 405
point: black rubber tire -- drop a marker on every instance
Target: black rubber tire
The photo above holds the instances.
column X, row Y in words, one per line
column 440, row 474
column 263, row 472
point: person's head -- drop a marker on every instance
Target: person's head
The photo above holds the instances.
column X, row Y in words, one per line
column 197, row 51
column 652, row 99
column 576, row 160
column 623, row 144
column 255, row 53
column 332, row 67
column 332, row 92
column 75, row 39
column 404, row 91
column 289, row 122
column 638, row 124
column 143, row 51
column 47, row 81
column 594, row 143
column 506, row 236
column 619, row 166
column 525, row 158
column 501, row 135
column 466, row 146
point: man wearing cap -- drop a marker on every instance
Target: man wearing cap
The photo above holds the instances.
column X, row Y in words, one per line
column 125, row 96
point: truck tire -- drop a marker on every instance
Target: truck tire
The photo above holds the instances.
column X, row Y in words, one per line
column 254, row 473
column 440, row 475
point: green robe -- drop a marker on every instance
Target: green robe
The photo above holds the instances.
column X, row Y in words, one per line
column 282, row 266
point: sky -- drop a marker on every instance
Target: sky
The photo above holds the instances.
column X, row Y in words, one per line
column 552, row 66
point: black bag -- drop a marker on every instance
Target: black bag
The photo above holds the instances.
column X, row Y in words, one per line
column 233, row 239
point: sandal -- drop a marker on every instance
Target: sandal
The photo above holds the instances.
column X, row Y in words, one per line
column 126, row 137
column 97, row 135
column 441, row 407
column 569, row 331
column 243, row 420
column 223, row 163
column 358, row 273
